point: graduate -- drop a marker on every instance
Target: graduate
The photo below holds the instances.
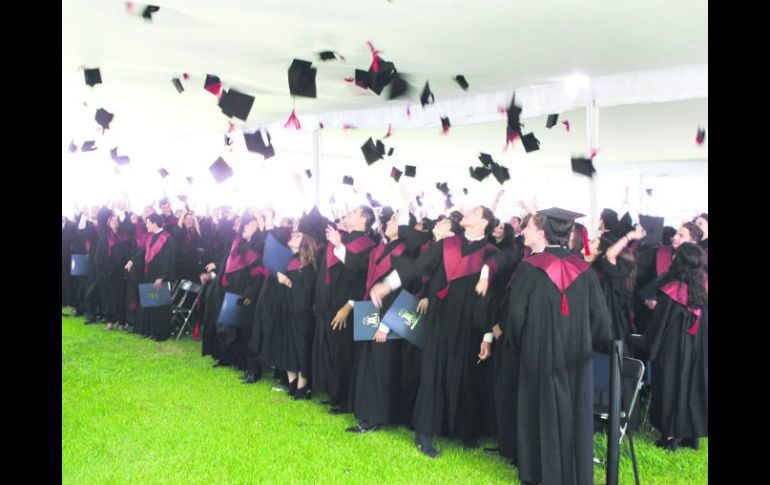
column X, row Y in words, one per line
column 192, row 255
column 556, row 311
column 116, row 246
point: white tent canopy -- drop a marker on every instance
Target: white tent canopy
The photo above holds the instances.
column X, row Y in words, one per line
column 643, row 65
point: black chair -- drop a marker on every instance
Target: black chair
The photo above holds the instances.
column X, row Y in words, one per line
column 184, row 300
column 631, row 377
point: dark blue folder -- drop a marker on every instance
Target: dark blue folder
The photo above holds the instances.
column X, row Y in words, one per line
column 277, row 255
column 150, row 297
column 234, row 312
column 402, row 318
column 366, row 320
column 79, row 265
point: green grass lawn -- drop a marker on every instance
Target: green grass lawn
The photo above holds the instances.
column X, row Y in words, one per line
column 138, row 411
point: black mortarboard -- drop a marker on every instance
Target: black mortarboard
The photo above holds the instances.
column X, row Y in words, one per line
column 255, row 143
column 649, row 192
column 377, row 81
column 552, row 120
column 347, row 180
column 410, row 170
column 531, row 143
column 443, row 187
column 120, row 160
column 73, row 148
column 465, row 191
column 396, row 174
column 104, row 118
column 149, row 10
column 398, row 87
column 427, row 95
column 390, row 152
column 302, row 78
column 163, row 173
column 314, row 224
column 584, row 166
column 212, row 84
column 461, row 81
column 362, row 78
column 486, row 159
column 445, row 124
column 701, row 136
column 189, row 180
column 418, row 199
column 88, row 146
column 236, row 103
column 93, row 76
column 178, row 84
column 561, row 214
column 514, row 118
column 653, row 226
column 480, row 173
column 373, row 152
column 309, row 173
column 327, row 55
column 220, row 170
column 500, row 173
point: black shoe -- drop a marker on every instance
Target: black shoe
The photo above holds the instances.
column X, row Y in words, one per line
column 670, row 444
column 362, row 428
column 431, row 452
column 328, row 402
column 293, row 388
column 339, row 410
column 424, row 444
column 693, row 443
column 302, row 394
column 470, row 444
column 494, row 449
column 251, row 378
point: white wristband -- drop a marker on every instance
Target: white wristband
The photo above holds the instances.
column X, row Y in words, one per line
column 488, row 337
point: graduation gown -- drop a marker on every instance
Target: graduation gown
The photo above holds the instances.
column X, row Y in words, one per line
column 652, row 264
column 299, row 337
column 614, row 283
column 114, row 251
column 338, row 282
column 554, row 421
column 90, row 285
column 155, row 321
column 68, row 243
column 192, row 255
column 455, row 323
column 678, row 343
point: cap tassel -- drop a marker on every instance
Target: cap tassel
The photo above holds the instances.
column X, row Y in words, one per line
column 564, row 308
column 375, row 59
column 195, row 334
column 390, row 131
column 566, row 125
column 186, row 76
column 232, row 127
column 293, row 121
column 586, row 245
column 130, row 7
column 408, row 111
column 348, row 126
column 594, row 151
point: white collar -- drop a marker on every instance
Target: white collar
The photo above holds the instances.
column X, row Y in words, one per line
column 159, row 230
column 475, row 239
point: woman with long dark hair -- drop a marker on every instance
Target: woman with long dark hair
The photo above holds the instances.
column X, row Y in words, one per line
column 116, row 246
column 191, row 251
column 678, row 342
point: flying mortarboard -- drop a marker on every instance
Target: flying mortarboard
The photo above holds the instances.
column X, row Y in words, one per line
column 237, row 104
column 583, row 166
column 220, row 170
column 302, row 78
column 461, row 81
column 552, row 120
column 93, row 76
column 427, row 96
column 104, row 118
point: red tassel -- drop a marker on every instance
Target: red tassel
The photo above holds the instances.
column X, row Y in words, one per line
column 320, row 125
column 594, row 151
column 292, row 121
column 564, row 309
column 130, row 7
column 566, row 125
column 232, row 127
column 185, row 76
column 408, row 111
column 390, row 132
column 586, row 242
column 347, row 126
column 350, row 80
column 214, row 89
column 442, row 294
column 195, row 334
column 375, row 60
column 342, row 58
column 502, row 110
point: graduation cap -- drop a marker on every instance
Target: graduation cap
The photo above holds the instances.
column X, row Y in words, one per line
column 427, row 96
column 373, row 152
column 302, row 78
column 531, row 143
column 120, row 160
column 514, row 119
column 443, row 187
column 163, row 173
column 552, row 120
column 212, row 84
column 362, row 79
column 347, row 180
column 500, row 173
column 178, row 84
column 561, row 214
column 701, row 136
column 384, row 75
column 583, row 166
column 390, row 152
column 93, row 76
column 396, row 174
column 487, row 160
column 149, row 10
column 72, row 148
column 313, row 224
column 479, row 173
column 88, row 146
column 653, row 226
column 462, row 82
column 327, row 55
column 371, row 200
column 649, row 192
column 103, row 117
column 237, row 104
column 465, row 191
column 410, row 170
column 255, row 143
column 445, row 124
column 220, row 170
column 189, row 180
column 309, row 173
column 398, row 87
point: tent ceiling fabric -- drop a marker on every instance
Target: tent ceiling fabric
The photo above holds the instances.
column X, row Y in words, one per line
column 499, row 45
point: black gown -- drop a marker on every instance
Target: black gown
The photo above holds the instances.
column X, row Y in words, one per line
column 155, row 321
column 333, row 350
column 267, row 344
column 554, row 421
column 113, row 253
column 90, row 284
column 192, row 256
column 679, row 370
column 299, row 337
column 450, row 379
column 614, row 282
column 69, row 237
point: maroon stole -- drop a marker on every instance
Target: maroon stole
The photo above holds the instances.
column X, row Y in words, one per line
column 237, row 261
column 153, row 249
column 355, row 246
column 377, row 269
column 295, row 264
column 677, row 291
column 141, row 234
column 663, row 259
column 425, row 278
column 457, row 266
column 113, row 239
column 562, row 272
